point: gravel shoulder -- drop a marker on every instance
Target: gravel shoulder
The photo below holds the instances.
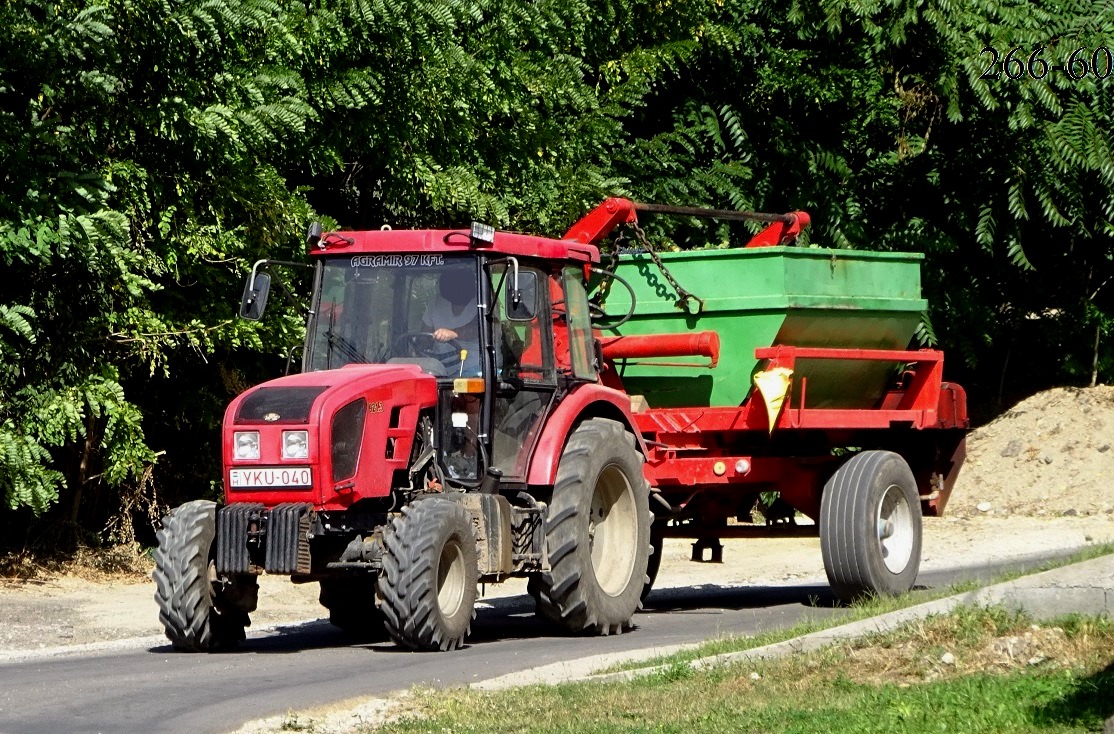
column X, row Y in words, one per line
column 68, row 610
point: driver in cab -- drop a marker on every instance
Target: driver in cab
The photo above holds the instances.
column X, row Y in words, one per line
column 452, row 318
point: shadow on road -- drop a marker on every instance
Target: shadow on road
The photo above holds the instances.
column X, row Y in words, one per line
column 508, row 619
column 713, row 596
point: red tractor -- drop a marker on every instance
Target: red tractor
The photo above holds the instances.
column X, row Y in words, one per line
column 459, row 419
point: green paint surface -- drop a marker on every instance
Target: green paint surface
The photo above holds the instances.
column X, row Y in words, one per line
column 806, row 297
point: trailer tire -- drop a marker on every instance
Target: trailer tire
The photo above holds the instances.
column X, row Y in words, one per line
column 428, row 585
column 199, row 611
column 870, row 527
column 597, row 533
column 352, row 607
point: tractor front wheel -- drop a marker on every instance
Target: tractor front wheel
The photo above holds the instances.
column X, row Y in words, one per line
column 199, row 610
column 870, row 527
column 427, row 588
column 597, row 533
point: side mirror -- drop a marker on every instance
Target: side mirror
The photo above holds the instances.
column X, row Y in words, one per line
column 313, row 234
column 256, row 291
column 521, row 298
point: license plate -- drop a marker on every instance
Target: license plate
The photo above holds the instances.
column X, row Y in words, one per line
column 271, row 476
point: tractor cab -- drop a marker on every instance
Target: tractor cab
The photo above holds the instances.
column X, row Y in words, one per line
column 500, row 330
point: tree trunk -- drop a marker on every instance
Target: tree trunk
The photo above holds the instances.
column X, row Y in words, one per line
column 82, row 471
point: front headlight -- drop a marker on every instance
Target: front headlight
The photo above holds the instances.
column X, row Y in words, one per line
column 295, row 444
column 246, row 444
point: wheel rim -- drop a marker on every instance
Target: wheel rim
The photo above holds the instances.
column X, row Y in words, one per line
column 613, row 531
column 895, row 529
column 450, row 579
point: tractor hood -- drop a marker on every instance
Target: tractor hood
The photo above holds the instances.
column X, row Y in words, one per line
column 330, row 438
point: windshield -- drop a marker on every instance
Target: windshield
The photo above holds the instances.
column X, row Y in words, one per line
column 402, row 308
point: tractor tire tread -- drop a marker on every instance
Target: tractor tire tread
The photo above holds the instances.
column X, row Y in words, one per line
column 195, row 616
column 407, row 584
column 564, row 596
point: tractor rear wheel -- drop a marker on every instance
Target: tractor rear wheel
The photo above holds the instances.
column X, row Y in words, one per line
column 870, row 527
column 352, row 607
column 653, row 565
column 597, row 533
column 427, row 588
column 199, row 610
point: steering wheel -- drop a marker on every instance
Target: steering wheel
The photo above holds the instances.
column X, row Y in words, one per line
column 421, row 344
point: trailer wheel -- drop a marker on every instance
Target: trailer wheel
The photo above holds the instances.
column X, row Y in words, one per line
column 352, row 607
column 427, row 588
column 199, row 610
column 870, row 527
column 597, row 533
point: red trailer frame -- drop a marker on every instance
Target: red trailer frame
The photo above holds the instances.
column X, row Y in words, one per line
column 712, row 455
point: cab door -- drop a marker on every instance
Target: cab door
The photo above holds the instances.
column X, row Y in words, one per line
column 525, row 373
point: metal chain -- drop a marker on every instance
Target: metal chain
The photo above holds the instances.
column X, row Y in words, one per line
column 683, row 295
column 605, row 285
column 616, row 247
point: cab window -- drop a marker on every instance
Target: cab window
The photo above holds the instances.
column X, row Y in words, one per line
column 581, row 341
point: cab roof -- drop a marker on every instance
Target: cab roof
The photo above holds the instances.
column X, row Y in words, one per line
column 445, row 241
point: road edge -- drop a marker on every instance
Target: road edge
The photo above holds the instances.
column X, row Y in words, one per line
column 1086, row 587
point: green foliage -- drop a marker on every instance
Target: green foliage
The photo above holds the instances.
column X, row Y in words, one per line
column 873, row 117
column 128, row 140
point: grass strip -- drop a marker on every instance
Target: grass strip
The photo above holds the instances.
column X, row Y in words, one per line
column 865, row 609
column 976, row 670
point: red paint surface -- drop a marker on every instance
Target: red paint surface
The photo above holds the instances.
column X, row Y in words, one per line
column 384, row 387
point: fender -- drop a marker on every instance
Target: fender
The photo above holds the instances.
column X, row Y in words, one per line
column 586, row 401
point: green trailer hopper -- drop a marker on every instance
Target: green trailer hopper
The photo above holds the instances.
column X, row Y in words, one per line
column 768, row 296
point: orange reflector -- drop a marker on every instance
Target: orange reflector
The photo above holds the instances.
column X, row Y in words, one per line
column 468, row 384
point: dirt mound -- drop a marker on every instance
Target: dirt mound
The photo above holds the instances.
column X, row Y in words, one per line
column 1051, row 454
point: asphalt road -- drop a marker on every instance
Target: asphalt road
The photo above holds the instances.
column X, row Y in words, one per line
column 159, row 690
